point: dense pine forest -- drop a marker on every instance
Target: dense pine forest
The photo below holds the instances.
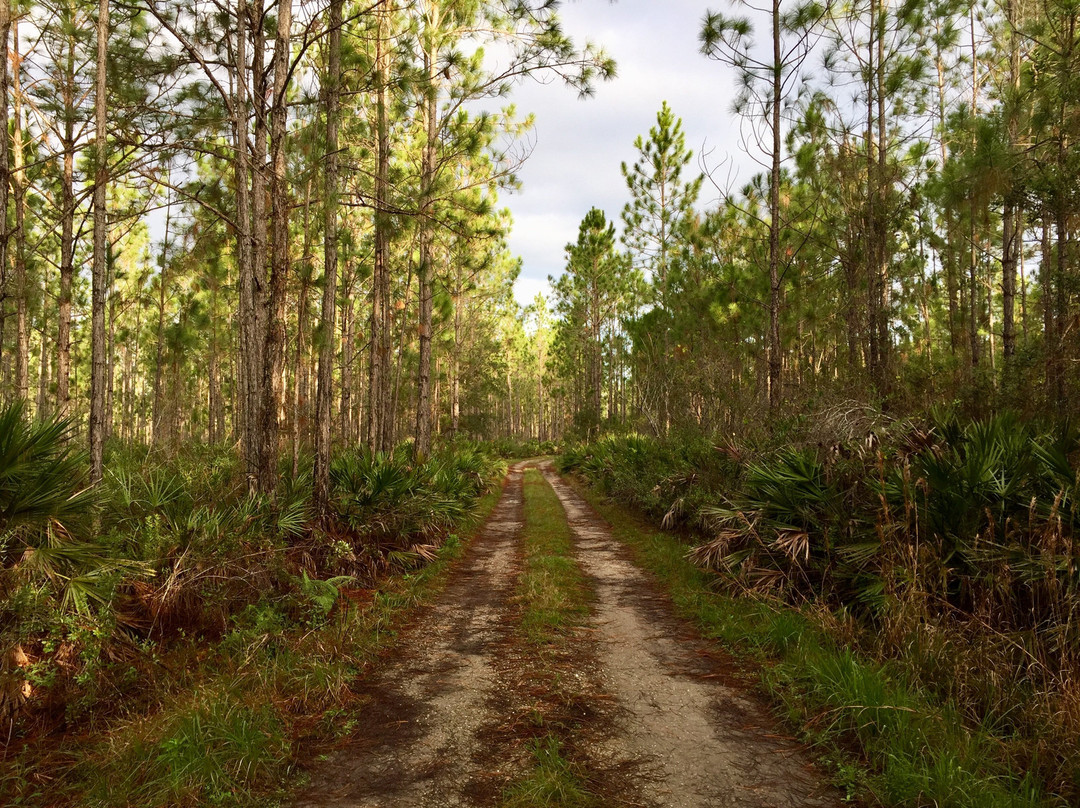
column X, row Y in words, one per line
column 262, row 371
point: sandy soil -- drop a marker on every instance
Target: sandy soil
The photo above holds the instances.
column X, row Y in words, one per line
column 704, row 742
column 418, row 740
column 648, row 711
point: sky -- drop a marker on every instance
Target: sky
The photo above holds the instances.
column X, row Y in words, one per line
column 579, row 144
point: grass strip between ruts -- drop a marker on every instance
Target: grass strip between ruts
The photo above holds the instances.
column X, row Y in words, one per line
column 886, row 742
column 554, row 596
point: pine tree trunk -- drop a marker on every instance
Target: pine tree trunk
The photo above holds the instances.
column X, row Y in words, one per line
column 157, row 419
column 775, row 390
column 274, row 352
column 1061, row 315
column 99, row 357
column 259, row 228
column 1011, row 236
column 43, row 362
column 216, row 404
column 248, row 352
column 1046, row 284
column 380, row 415
column 948, row 257
column 348, row 349
column 881, row 221
column 300, row 365
column 455, row 360
column 18, row 186
column 325, row 392
column 67, row 239
column 110, row 342
column 427, row 234
column 973, row 265
column 870, row 227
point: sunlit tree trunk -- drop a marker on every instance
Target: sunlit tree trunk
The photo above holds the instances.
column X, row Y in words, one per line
column 348, row 348
column 427, row 228
column 325, row 393
column 380, row 414
column 18, row 187
column 157, row 420
column 67, row 235
column 775, row 390
column 99, row 357
column 274, row 351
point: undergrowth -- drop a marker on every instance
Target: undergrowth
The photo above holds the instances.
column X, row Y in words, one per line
column 918, row 751
column 917, row 581
column 169, row 639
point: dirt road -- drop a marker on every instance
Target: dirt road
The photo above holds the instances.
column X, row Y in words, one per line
column 652, row 716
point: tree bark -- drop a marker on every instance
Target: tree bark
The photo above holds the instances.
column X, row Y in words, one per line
column 67, row 238
column 1011, row 235
column 18, row 186
column 380, row 415
column 99, row 292
column 157, row 419
column 250, row 347
column 427, row 229
column 348, row 349
column 775, row 390
column 274, row 351
column 325, row 393
column 300, row 364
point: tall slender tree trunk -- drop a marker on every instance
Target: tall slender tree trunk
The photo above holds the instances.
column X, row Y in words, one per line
column 1046, row 283
column 1011, row 234
column 455, row 359
column 883, row 254
column 67, row 237
column 380, row 413
column 43, row 360
column 973, row 255
column 110, row 337
column 1060, row 302
column 949, row 253
column 157, row 419
column 348, row 351
column 325, row 392
column 255, row 353
column 427, row 228
column 99, row 293
column 300, row 362
column 775, row 366
column 973, row 291
column 18, row 186
column 249, row 336
column 873, row 296
column 274, row 352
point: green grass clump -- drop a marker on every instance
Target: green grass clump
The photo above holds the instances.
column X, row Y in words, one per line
column 210, row 754
column 888, row 739
column 552, row 588
column 553, row 781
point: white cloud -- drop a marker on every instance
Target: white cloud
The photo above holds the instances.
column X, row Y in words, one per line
column 580, row 144
column 526, row 290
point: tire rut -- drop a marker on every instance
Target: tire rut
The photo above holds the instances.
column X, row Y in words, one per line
column 417, row 744
column 695, row 739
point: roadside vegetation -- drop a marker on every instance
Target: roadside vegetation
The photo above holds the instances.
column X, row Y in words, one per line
column 911, row 584
column 170, row 639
